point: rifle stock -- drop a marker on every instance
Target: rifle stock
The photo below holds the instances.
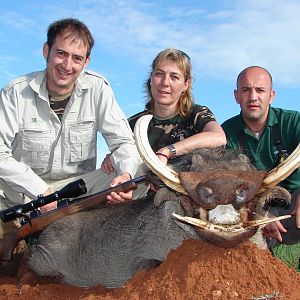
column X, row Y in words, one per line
column 40, row 222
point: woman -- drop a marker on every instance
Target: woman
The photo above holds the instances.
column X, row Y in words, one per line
column 178, row 126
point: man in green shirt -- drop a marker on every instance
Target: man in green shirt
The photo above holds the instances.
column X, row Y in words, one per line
column 268, row 135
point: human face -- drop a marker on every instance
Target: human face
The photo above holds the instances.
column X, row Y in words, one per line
column 167, row 85
column 65, row 61
column 254, row 94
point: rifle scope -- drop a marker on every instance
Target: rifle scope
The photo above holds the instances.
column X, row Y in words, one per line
column 71, row 190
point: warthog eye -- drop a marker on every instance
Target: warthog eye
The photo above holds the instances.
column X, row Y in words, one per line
column 241, row 196
column 206, row 197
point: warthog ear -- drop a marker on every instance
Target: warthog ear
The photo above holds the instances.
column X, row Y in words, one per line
column 190, row 180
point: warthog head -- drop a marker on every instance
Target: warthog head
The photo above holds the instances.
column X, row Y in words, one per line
column 226, row 194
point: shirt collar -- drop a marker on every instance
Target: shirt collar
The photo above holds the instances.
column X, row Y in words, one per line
column 82, row 81
column 272, row 120
column 38, row 84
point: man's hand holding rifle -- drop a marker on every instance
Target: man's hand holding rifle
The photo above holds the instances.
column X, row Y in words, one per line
column 35, row 221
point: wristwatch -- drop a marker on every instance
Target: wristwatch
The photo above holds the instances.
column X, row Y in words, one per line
column 172, row 150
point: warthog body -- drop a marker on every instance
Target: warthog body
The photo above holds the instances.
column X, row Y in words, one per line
column 108, row 245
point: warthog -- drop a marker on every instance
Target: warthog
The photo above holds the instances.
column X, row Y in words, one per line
column 219, row 197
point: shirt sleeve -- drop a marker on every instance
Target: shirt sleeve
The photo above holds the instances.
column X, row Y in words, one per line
column 117, row 133
column 15, row 174
column 201, row 116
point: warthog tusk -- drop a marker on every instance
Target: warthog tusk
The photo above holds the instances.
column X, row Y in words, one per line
column 233, row 228
column 266, row 221
column 165, row 173
column 283, row 170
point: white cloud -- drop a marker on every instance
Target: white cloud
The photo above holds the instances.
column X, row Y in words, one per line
column 220, row 42
column 221, row 37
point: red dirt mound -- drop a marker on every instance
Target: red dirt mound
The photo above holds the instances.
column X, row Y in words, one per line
column 196, row 270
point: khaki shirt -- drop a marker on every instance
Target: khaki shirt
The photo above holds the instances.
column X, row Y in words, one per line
column 35, row 146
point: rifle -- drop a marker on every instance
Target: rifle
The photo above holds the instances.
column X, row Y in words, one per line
column 35, row 222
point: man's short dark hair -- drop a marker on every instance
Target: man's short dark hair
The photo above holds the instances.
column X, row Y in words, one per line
column 77, row 29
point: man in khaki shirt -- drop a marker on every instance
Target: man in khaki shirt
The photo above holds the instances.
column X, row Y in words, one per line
column 50, row 120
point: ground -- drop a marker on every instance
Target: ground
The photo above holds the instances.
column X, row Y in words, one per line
column 196, row 270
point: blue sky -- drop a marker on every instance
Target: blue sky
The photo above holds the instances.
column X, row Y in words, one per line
column 221, row 37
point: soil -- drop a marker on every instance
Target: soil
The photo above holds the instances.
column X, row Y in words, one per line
column 196, row 270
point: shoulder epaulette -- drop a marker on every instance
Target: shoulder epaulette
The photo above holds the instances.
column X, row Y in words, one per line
column 92, row 73
column 20, row 79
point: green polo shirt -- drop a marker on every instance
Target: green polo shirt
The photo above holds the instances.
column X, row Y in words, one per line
column 263, row 151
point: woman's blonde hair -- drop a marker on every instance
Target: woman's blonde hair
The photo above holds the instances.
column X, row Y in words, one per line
column 184, row 64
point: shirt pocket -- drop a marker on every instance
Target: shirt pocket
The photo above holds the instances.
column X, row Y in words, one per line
column 82, row 141
column 36, row 144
